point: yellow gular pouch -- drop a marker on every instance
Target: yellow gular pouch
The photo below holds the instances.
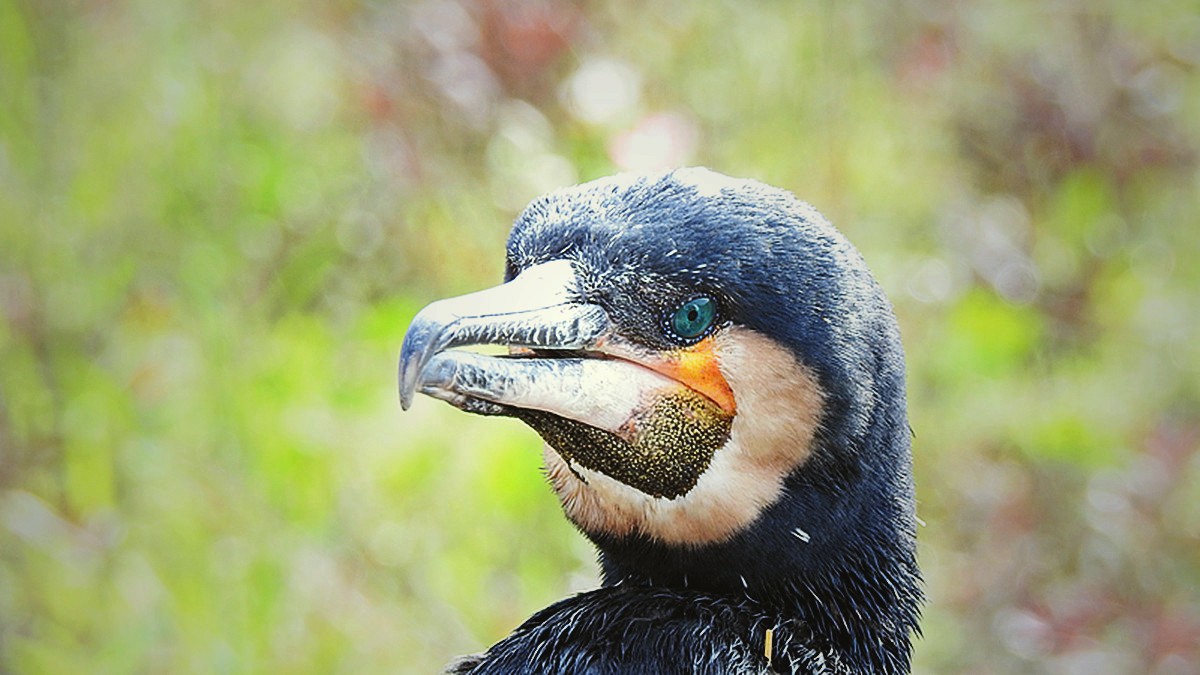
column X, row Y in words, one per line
column 662, row 452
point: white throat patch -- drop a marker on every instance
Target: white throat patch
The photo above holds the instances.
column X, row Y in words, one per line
column 779, row 404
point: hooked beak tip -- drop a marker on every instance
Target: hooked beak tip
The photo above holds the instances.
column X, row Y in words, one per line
column 407, row 376
column 423, row 340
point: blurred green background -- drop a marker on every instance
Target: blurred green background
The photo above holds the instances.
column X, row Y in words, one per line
column 218, row 217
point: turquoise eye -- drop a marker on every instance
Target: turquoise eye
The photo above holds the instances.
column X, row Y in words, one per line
column 694, row 318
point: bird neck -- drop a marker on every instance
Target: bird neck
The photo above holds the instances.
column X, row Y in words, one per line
column 847, row 573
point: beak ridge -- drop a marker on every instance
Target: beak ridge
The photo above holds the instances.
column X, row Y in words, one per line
column 536, row 310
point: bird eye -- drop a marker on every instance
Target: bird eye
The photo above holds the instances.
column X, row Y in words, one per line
column 694, row 318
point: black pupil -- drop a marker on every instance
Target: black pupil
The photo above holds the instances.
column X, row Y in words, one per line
column 693, row 314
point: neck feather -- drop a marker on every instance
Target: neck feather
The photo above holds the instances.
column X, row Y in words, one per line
column 839, row 560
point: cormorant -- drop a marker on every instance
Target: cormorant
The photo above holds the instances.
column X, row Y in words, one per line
column 719, row 382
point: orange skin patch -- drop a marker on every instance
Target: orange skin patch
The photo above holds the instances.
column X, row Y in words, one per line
column 695, row 367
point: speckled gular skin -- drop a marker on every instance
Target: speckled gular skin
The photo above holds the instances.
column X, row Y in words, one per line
column 847, row 599
column 675, row 446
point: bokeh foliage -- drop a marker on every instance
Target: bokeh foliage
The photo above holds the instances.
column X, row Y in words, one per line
column 217, row 218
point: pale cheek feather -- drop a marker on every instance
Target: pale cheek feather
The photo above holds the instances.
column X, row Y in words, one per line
column 779, row 407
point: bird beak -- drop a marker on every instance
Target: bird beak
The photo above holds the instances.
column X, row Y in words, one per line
column 564, row 357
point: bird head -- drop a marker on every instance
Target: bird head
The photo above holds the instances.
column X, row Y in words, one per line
column 719, row 383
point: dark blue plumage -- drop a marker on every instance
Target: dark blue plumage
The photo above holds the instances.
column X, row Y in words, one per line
column 638, row 629
column 828, row 566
